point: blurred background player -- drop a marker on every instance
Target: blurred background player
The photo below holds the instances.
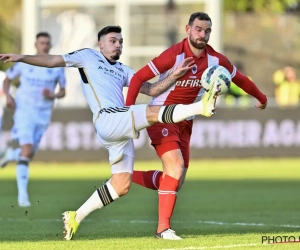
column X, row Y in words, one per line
column 33, row 108
column 171, row 141
column 2, row 77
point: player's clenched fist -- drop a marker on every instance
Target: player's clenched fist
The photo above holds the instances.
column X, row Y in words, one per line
column 261, row 105
column 10, row 58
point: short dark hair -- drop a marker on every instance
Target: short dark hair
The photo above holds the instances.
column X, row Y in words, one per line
column 109, row 29
column 43, row 34
column 200, row 16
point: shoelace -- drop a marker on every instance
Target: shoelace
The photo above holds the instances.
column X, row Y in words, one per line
column 171, row 231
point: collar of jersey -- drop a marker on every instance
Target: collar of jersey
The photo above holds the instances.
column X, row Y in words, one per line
column 111, row 63
column 189, row 53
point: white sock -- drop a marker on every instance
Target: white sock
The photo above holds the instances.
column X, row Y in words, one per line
column 103, row 196
column 22, row 178
column 13, row 154
column 179, row 112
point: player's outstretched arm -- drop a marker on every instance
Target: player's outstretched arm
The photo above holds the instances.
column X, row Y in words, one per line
column 10, row 102
column 51, row 96
column 244, row 83
column 249, row 87
column 48, row 61
column 157, row 88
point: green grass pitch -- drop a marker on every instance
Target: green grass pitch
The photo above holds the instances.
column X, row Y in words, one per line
column 224, row 204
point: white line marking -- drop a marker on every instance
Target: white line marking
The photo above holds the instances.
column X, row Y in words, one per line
column 33, row 220
column 242, row 224
column 210, row 222
column 216, row 247
column 246, row 224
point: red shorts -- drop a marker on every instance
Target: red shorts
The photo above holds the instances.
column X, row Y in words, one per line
column 167, row 137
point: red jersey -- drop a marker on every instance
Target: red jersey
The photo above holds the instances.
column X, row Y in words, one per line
column 188, row 87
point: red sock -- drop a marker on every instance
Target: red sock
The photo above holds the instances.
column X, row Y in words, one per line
column 166, row 201
column 149, row 179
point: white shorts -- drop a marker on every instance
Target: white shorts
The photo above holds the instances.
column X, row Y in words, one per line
column 29, row 127
column 116, row 127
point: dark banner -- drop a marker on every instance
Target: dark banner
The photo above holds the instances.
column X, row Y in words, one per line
column 230, row 133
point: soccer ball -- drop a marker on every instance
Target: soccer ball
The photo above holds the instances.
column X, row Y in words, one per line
column 216, row 74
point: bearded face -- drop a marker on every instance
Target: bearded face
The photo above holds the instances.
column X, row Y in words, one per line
column 199, row 33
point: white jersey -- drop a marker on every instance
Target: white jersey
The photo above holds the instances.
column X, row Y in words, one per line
column 102, row 81
column 33, row 80
column 2, row 77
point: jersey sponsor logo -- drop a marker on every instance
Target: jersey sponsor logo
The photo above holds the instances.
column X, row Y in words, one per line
column 120, row 69
column 189, row 83
column 112, row 73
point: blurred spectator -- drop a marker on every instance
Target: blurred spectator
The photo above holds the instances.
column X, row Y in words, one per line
column 171, row 22
column 287, row 89
column 236, row 95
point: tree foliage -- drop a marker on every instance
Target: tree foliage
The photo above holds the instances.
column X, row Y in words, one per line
column 275, row 6
column 10, row 37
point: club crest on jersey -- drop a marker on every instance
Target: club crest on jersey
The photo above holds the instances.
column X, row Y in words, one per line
column 194, row 69
column 165, row 132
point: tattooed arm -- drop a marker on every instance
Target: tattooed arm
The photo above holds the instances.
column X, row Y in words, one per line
column 157, row 88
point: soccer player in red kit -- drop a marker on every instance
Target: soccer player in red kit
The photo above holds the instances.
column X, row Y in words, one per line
column 171, row 141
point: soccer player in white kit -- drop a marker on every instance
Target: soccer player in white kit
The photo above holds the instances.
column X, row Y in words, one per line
column 2, row 76
column 103, row 79
column 33, row 108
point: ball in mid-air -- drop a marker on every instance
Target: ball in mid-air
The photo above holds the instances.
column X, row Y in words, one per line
column 216, row 74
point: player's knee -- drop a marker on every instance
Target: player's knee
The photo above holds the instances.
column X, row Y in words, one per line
column 152, row 114
column 174, row 167
column 121, row 183
column 175, row 170
column 125, row 189
column 27, row 150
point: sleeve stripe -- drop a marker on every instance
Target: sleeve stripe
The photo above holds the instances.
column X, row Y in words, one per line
column 153, row 68
column 233, row 72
